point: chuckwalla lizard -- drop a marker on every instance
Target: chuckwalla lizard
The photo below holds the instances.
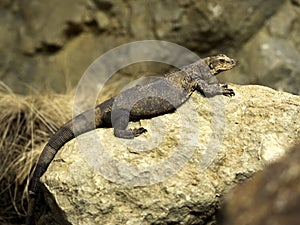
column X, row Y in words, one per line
column 162, row 95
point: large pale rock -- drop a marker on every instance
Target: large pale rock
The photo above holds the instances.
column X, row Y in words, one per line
column 177, row 171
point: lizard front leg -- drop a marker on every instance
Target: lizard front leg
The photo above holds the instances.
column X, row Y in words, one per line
column 120, row 119
column 212, row 89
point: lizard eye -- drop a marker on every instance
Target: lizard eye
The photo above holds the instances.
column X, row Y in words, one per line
column 211, row 66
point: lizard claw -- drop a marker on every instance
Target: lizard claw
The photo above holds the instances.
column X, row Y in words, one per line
column 228, row 92
column 225, row 86
column 130, row 133
column 138, row 131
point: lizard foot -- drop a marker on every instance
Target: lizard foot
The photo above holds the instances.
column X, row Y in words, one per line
column 130, row 133
column 138, row 131
column 225, row 90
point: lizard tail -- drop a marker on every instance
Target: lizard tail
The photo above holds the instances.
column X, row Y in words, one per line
column 30, row 212
column 63, row 135
column 80, row 124
column 84, row 122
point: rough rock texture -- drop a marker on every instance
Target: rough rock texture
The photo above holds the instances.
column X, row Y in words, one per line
column 271, row 57
column 51, row 43
column 175, row 173
column 272, row 197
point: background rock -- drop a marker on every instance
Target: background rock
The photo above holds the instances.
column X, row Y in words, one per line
column 261, row 124
column 48, row 45
column 271, row 197
column 271, row 57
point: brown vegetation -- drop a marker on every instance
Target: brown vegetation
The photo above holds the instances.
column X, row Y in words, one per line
column 26, row 122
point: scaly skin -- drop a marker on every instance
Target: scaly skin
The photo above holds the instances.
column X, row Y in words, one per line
column 161, row 96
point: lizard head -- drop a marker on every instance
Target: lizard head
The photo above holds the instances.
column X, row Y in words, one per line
column 219, row 63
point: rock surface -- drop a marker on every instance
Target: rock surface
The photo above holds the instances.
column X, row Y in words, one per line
column 272, row 197
column 175, row 173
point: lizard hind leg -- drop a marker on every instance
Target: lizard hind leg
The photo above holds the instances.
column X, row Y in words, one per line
column 120, row 119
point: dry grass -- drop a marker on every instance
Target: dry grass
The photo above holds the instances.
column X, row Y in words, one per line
column 26, row 123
